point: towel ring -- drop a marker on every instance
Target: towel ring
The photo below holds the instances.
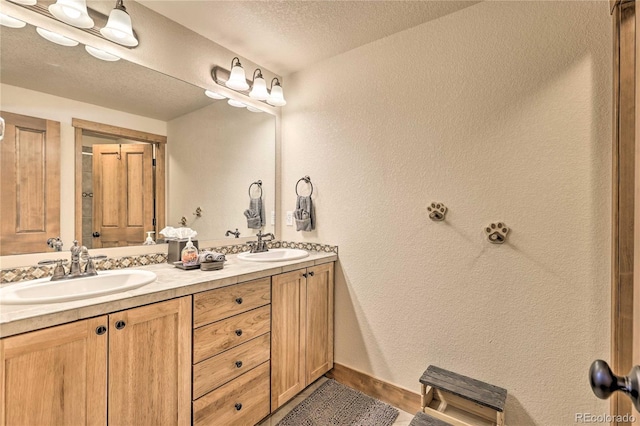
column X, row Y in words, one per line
column 306, row 179
column 259, row 183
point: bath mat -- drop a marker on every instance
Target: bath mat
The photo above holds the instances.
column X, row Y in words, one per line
column 335, row 404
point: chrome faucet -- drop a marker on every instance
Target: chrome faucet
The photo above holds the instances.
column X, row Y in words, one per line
column 261, row 245
column 75, row 270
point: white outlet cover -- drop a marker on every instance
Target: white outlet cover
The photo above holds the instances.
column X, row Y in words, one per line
column 289, row 218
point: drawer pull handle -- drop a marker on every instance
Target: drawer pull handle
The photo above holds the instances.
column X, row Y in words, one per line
column 238, row 406
column 311, row 273
column 238, row 364
column 100, row 330
column 239, row 300
column 120, row 325
column 238, row 332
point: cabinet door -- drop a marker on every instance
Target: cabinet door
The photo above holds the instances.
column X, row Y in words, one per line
column 55, row 376
column 288, row 306
column 319, row 346
column 149, row 364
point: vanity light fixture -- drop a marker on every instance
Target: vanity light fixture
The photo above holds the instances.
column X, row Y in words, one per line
column 119, row 29
column 259, row 89
column 72, row 12
column 11, row 22
column 236, row 104
column 214, row 95
column 101, row 54
column 253, row 109
column 276, row 97
column 24, row 2
column 56, row 38
column 237, row 79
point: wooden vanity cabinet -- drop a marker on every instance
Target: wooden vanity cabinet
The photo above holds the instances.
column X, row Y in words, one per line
column 301, row 330
column 231, row 352
column 135, row 362
column 55, row 376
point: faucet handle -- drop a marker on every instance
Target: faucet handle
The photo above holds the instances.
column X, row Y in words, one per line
column 58, row 272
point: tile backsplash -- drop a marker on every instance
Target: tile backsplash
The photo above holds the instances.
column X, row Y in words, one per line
column 12, row 275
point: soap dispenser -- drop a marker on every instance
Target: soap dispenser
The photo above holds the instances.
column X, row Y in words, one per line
column 189, row 254
column 149, row 241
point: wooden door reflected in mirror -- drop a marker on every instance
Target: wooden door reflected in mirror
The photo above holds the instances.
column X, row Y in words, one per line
column 119, row 185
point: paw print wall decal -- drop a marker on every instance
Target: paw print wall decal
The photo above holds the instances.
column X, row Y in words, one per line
column 437, row 211
column 497, row 232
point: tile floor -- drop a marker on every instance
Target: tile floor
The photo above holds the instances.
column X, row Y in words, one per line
column 403, row 419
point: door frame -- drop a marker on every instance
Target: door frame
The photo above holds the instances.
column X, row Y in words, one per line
column 160, row 143
column 625, row 260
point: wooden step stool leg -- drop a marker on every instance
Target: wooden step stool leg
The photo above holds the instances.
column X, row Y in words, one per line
column 426, row 396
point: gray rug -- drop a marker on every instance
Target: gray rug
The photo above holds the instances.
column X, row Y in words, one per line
column 335, row 404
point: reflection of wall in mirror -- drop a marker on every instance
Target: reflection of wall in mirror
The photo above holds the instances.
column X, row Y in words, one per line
column 38, row 104
column 227, row 149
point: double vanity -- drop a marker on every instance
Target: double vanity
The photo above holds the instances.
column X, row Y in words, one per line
column 193, row 347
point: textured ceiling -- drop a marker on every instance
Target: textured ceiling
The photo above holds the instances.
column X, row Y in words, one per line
column 70, row 72
column 287, row 36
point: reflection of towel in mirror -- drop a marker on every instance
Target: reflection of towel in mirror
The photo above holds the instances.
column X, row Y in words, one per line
column 211, row 256
column 304, row 214
column 255, row 213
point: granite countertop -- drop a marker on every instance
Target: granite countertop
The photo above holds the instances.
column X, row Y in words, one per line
column 172, row 282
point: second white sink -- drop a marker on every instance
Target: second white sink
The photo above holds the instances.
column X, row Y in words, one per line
column 274, row 255
column 46, row 291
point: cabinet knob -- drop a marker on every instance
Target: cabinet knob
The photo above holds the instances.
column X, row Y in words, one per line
column 238, row 406
column 238, row 364
column 239, row 300
column 100, row 330
column 304, row 275
column 238, row 332
column 311, row 273
column 120, row 325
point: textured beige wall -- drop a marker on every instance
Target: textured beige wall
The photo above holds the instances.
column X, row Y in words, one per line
column 37, row 104
column 502, row 112
column 227, row 148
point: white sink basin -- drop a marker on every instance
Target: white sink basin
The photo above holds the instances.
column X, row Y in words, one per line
column 274, row 255
column 46, row 291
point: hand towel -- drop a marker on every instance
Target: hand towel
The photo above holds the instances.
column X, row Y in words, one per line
column 255, row 213
column 210, row 256
column 304, row 214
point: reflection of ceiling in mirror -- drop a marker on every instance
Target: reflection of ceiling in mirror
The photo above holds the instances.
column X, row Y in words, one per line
column 29, row 61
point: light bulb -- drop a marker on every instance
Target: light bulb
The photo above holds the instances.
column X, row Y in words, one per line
column 214, row 95
column 72, row 12
column 101, row 54
column 11, row 22
column 235, row 103
column 254, row 109
column 237, row 79
column 25, row 2
column 276, row 97
column 259, row 89
column 119, row 29
column 56, row 38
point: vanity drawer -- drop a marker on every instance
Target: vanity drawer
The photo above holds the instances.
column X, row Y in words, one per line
column 214, row 305
column 214, row 338
column 218, row 370
column 243, row 401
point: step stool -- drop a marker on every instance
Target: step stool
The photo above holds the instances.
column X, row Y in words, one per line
column 461, row 400
column 422, row 419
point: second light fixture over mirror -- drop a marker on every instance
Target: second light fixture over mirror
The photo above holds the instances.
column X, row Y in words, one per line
column 238, row 81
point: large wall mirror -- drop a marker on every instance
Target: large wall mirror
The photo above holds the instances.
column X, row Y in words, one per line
column 213, row 153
